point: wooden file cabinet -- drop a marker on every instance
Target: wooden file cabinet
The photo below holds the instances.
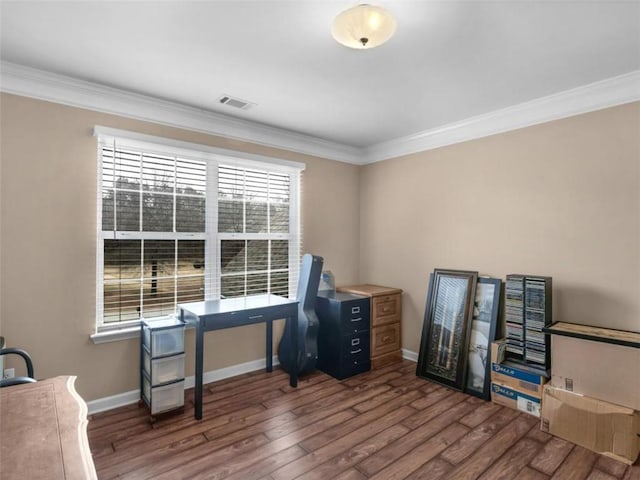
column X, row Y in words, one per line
column 386, row 319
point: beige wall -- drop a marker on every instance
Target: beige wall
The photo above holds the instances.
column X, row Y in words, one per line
column 48, row 242
column 559, row 199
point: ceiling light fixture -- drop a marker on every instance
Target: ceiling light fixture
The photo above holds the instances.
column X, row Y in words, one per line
column 363, row 26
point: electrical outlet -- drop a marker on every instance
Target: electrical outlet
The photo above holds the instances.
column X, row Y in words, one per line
column 9, row 373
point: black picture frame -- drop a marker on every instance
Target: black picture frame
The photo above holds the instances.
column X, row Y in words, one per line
column 484, row 324
column 445, row 331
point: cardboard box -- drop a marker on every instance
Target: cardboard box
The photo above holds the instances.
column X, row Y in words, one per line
column 514, row 375
column 498, row 349
column 515, row 398
column 600, row 426
column 599, row 370
column 517, row 376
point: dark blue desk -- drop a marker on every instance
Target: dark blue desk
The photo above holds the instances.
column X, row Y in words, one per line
column 236, row 312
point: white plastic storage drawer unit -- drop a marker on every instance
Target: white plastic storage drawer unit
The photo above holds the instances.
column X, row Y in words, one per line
column 163, row 398
column 162, row 364
column 163, row 336
column 164, row 369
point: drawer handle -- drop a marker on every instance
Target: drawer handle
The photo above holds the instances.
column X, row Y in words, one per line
column 385, row 309
column 356, row 351
column 355, row 310
column 386, row 338
column 356, row 319
column 355, row 341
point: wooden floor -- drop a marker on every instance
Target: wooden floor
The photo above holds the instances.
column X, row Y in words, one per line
column 385, row 424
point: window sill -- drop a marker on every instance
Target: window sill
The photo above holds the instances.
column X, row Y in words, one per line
column 120, row 334
column 116, row 335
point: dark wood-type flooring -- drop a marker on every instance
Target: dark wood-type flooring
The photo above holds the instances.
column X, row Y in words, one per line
column 385, row 424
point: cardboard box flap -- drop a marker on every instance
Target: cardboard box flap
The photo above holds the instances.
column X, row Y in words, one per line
column 599, row 426
column 587, row 403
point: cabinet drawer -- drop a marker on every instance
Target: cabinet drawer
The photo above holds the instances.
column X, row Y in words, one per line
column 385, row 339
column 165, row 369
column 162, row 399
column 163, row 341
column 354, row 316
column 386, row 309
column 355, row 348
column 355, row 368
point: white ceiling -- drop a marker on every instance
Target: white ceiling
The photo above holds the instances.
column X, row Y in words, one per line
column 448, row 61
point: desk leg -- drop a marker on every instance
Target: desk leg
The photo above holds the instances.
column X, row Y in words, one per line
column 269, row 346
column 293, row 376
column 197, row 398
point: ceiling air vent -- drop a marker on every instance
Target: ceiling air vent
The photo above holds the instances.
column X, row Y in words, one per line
column 236, row 102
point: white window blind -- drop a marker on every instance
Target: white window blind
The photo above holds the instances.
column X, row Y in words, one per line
column 254, row 231
column 177, row 228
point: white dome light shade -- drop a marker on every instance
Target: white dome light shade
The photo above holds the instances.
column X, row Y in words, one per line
column 363, row 26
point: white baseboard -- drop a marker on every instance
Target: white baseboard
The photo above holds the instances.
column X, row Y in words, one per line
column 114, row 401
column 409, row 355
column 132, row 396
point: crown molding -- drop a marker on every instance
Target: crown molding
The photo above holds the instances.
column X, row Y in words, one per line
column 588, row 98
column 20, row 80
column 30, row 82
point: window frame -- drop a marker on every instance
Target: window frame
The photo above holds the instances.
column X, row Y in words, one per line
column 213, row 157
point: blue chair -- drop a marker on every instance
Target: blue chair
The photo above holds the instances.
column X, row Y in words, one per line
column 7, row 382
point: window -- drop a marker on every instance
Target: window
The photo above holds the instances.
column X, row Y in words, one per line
column 179, row 225
column 253, row 227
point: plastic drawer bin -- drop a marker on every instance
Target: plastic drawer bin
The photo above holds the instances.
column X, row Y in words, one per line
column 164, row 398
column 163, row 341
column 164, row 370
